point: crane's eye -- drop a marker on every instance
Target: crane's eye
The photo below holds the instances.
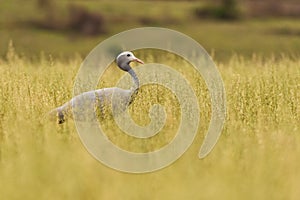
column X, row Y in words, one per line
column 128, row 55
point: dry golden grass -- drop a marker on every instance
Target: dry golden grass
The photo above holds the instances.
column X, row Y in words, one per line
column 257, row 156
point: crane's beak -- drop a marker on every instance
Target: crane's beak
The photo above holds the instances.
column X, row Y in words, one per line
column 138, row 60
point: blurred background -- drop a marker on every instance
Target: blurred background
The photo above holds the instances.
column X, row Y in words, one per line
column 223, row 27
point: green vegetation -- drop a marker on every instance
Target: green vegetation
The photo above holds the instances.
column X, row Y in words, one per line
column 257, row 156
column 265, row 36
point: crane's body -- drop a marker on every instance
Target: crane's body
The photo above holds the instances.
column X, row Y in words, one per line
column 119, row 99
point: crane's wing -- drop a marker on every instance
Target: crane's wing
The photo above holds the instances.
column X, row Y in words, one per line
column 81, row 105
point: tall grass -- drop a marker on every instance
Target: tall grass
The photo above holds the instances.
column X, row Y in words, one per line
column 257, row 156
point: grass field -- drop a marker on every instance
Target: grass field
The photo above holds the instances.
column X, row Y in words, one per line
column 257, row 156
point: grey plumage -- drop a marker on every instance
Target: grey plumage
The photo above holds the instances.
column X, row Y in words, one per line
column 118, row 98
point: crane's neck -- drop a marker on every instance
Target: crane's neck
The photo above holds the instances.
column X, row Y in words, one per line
column 135, row 79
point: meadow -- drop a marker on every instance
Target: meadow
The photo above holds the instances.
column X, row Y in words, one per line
column 257, row 156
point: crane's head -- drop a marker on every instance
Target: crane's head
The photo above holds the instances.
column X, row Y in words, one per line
column 126, row 57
